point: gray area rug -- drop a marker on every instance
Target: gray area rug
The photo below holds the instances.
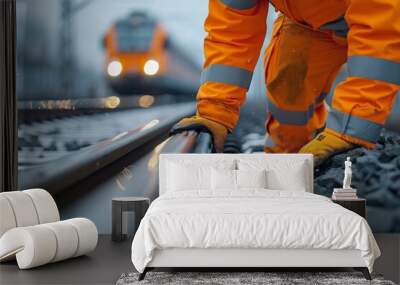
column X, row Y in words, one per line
column 232, row 278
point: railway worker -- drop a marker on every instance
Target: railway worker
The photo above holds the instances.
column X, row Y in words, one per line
column 310, row 42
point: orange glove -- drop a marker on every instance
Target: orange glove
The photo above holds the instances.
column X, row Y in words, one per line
column 199, row 124
column 325, row 145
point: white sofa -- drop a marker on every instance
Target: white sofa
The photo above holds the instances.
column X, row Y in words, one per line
column 31, row 231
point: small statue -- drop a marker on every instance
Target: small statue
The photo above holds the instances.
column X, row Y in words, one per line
column 347, row 174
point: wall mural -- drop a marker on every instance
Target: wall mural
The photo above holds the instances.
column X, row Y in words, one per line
column 83, row 80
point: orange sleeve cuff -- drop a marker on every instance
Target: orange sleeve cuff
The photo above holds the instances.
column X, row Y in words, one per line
column 218, row 112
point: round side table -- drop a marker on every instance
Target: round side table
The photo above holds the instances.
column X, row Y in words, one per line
column 138, row 205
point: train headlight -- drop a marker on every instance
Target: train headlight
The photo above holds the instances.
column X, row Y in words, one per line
column 151, row 67
column 114, row 68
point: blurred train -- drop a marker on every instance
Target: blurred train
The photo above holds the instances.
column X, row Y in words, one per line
column 142, row 59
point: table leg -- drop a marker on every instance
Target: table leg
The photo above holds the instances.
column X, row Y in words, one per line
column 117, row 221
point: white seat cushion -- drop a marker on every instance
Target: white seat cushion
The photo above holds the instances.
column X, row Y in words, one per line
column 32, row 246
column 26, row 208
column 40, row 244
column 87, row 233
column 45, row 206
column 23, row 208
column 66, row 237
column 7, row 220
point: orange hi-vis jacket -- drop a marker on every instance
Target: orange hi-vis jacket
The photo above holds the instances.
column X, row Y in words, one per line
column 309, row 45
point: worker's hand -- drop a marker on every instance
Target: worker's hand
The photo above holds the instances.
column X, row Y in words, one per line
column 199, row 124
column 325, row 145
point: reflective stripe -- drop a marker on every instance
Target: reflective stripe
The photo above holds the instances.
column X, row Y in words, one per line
column 342, row 76
column 298, row 118
column 393, row 120
column 374, row 68
column 240, row 4
column 290, row 117
column 353, row 126
column 339, row 26
column 227, row 74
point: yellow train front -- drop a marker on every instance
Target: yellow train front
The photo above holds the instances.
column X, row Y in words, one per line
column 142, row 59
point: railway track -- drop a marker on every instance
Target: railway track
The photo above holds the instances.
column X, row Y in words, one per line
column 75, row 147
column 51, row 134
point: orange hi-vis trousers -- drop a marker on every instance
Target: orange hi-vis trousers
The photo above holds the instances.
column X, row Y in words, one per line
column 300, row 66
column 309, row 45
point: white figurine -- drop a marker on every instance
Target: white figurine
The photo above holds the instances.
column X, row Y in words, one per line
column 347, row 174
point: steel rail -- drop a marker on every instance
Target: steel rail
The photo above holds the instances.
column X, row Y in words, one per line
column 60, row 174
column 136, row 174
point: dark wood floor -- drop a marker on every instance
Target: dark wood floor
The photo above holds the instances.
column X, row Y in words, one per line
column 103, row 266
column 106, row 264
